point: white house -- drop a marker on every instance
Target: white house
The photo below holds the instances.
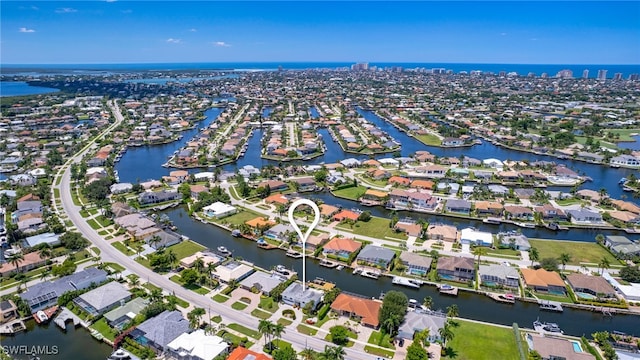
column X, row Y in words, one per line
column 625, row 160
column 219, row 209
column 121, row 188
column 197, row 346
column 493, row 163
column 473, row 236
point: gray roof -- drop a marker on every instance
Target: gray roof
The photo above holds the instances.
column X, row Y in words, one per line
column 415, row 259
column 263, row 281
column 500, row 271
column 106, row 295
column 165, row 327
column 134, row 306
column 618, row 240
column 294, row 291
column 415, row 321
column 458, row 204
column 376, row 252
column 43, row 291
column 46, row 238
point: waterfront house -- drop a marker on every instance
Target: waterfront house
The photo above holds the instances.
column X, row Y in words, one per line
column 514, row 240
column 241, row 353
column 23, row 180
column 198, row 189
column 458, row 206
column 583, row 216
column 373, row 197
column 156, row 197
column 30, row 261
column 137, row 225
column 421, row 201
column 499, row 276
column 626, row 206
column 399, row 180
column 121, row 188
column 551, row 213
column 160, row 330
column 475, row 237
column 351, row 162
column 274, row 185
column 197, row 345
column 415, row 322
column 498, row 190
column 366, row 311
column 121, row 316
column 8, row 311
column 280, row 232
column 294, row 295
column 278, row 199
column 516, row 212
column 450, row 141
column 346, row 215
column 327, row 211
column 104, row 298
column 45, row 294
column 621, row 246
column 316, row 241
column 493, row 163
column 256, row 224
column 491, row 208
column 219, row 210
column 206, row 257
column 588, row 194
column 376, row 256
column 461, row 269
column 232, row 270
column 593, row 285
column 625, row 160
column 341, row 248
column 408, row 227
column 262, row 282
column 442, row 232
column 510, row 176
column 416, row 264
column 554, row 348
column 305, row 184
column 543, row 281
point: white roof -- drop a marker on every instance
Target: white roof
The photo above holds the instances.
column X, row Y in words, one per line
column 198, row 345
column 219, row 208
column 475, row 235
column 233, row 270
column 497, row 162
column 388, row 161
column 95, row 170
column 204, row 175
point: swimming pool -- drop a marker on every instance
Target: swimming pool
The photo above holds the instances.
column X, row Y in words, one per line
column 576, row 346
column 587, row 296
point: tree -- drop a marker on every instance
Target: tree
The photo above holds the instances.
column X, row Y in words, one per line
column 446, row 333
column 365, row 216
column 427, row 302
column 534, row 255
column 308, row 354
column 277, row 330
column 195, row 316
column 284, row 353
column 134, row 280
column 394, row 305
column 480, row 251
column 198, row 265
column 604, row 264
column 630, row 274
column 534, row 355
column 564, row 259
column 339, row 335
column 15, row 260
column 452, row 310
column 549, row 264
column 73, row 241
column 332, row 353
column 265, row 327
column 331, row 295
column 189, row 276
column 600, row 238
column 391, row 322
column 415, row 351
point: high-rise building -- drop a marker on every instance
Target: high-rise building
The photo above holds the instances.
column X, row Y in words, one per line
column 602, row 74
column 502, row 73
column 634, row 77
column 617, row 76
column 544, row 75
column 360, row 67
column 565, row 74
column 585, row 73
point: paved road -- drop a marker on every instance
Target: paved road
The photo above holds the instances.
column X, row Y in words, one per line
column 109, row 253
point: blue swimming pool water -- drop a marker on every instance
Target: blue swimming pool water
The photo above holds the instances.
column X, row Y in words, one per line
column 576, row 346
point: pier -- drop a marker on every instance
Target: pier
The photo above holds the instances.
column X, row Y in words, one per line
column 448, row 290
column 67, row 315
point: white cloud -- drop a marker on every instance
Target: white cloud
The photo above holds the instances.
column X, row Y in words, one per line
column 174, row 41
column 221, row 44
column 128, row 11
column 25, row 30
column 534, row 39
column 193, row 30
column 110, row 1
column 66, row 10
column 503, row 34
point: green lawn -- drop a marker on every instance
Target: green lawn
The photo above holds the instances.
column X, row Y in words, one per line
column 261, row 314
column 104, row 221
column 267, row 303
column 115, row 267
column 122, row 247
column 379, row 352
column 95, row 250
column 565, row 202
column 216, row 319
column 239, row 305
column 104, row 329
column 353, row 193
column 284, row 322
column 183, row 304
column 150, row 286
column 243, row 330
column 240, row 217
column 220, row 298
column 581, row 252
column 307, row 330
column 94, row 224
column 429, row 139
column 473, row 341
column 186, row 248
column 625, row 134
column 380, row 339
column 376, row 227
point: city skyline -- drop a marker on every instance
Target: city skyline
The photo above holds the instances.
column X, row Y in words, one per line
column 457, row 32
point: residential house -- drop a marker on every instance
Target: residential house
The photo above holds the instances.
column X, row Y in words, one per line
column 516, row 212
column 23, row 180
column 626, row 217
column 543, row 281
column 621, row 246
column 346, row 215
column 8, row 311
column 625, row 160
column 219, row 210
column 364, row 310
column 262, row 282
column 408, row 227
column 458, row 206
column 198, row 189
column 30, row 261
column 415, row 322
column 294, row 295
column 372, row 197
column 499, row 276
column 260, row 223
column 241, row 353
column 137, row 225
column 398, row 180
column 121, row 316
column 274, row 185
column 280, row 232
column 50, row 239
column 626, row 206
column 433, row 171
column 197, row 345
column 121, row 188
column 422, row 184
column 514, row 240
column 461, row 269
column 341, row 248
column 327, row 211
column 584, row 216
column 232, row 270
column 490, row 208
column 104, row 298
column 475, row 237
column 450, row 141
column 206, row 257
column 416, row 264
column 376, row 256
column 442, row 232
column 498, row 190
column 156, row 197
column 554, row 348
column 592, row 285
column 45, row 294
column 161, row 330
column 305, row 184
column 316, row 241
column 551, row 213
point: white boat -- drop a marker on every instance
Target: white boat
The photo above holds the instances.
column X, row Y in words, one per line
column 42, row 316
column 372, row 274
column 402, row 281
column 294, row 254
column 223, row 250
column 120, row 354
column 340, row 267
column 327, row 263
column 546, row 327
column 281, row 269
column 550, row 305
column 356, row 271
column 526, row 225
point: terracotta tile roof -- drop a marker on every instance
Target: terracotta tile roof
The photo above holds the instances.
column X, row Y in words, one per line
column 342, row 244
column 346, row 214
column 328, row 210
column 241, row 353
column 367, row 309
column 423, row 184
column 541, row 277
column 276, row 198
column 400, row 180
column 259, row 221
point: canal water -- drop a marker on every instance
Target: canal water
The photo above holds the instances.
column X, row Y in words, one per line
column 472, row 306
column 20, row 88
column 53, row 343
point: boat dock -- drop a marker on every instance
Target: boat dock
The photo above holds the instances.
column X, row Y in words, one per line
column 64, row 316
column 550, row 305
column 49, row 312
column 448, row 290
column 502, row 298
column 408, row 282
column 12, row 327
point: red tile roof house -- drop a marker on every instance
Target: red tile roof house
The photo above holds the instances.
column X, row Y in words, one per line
column 365, row 310
column 341, row 248
column 346, row 214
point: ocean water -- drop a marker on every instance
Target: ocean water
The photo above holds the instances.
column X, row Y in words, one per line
column 18, row 88
column 520, row 69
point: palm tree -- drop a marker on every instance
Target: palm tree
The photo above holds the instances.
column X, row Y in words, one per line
column 564, row 259
column 156, row 295
column 134, row 280
column 332, row 353
column 600, row 238
column 452, row 310
column 171, row 256
column 604, row 264
column 427, row 302
column 277, row 330
column 44, row 275
column 265, row 327
column 195, row 316
column 198, row 265
column 480, row 251
column 390, row 322
column 445, row 333
column 15, row 260
column 534, row 255
column 154, row 241
column 45, row 252
column 308, row 354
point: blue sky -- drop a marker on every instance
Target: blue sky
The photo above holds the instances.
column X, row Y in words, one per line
column 465, row 32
